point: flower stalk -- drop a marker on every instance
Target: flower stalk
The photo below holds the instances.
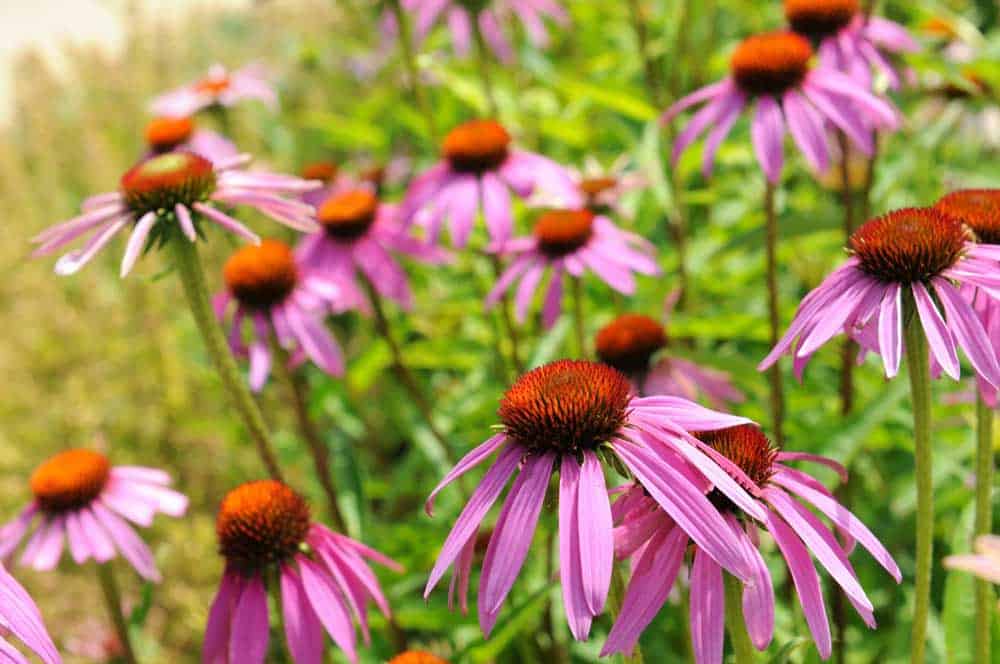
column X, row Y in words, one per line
column 113, row 600
column 742, row 647
column 983, row 523
column 581, row 337
column 412, row 70
column 774, row 313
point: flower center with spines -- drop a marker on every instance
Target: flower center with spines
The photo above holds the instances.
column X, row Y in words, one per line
column 261, row 523
column 979, row 209
column 477, row 146
column 629, row 342
column 566, row 406
column 909, row 245
column 348, row 215
column 261, row 276
column 748, row 449
column 771, row 63
column 817, row 19
column 324, row 171
column 160, row 183
column 561, row 232
column 164, row 134
column 70, row 480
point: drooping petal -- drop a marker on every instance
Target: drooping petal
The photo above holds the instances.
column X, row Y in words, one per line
column 467, row 463
column 890, row 330
column 578, row 613
column 707, row 609
column 767, row 131
column 250, row 630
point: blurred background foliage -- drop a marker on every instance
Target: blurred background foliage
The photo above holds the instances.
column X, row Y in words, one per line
column 93, row 360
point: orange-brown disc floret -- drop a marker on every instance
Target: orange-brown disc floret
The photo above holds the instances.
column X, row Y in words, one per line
column 417, row 657
column 628, row 342
column 908, row 245
column 70, row 480
column 261, row 276
column 261, row 523
column 979, row 209
column 348, row 215
column 476, row 146
column 771, row 63
column 566, row 406
column 164, row 134
column 560, row 232
column 320, row 170
column 749, row 450
column 820, row 18
column 162, row 182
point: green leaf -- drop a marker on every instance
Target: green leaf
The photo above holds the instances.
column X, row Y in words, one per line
column 958, row 614
column 508, row 629
column 614, row 99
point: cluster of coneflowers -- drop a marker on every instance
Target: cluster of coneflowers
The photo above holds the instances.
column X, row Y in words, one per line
column 700, row 487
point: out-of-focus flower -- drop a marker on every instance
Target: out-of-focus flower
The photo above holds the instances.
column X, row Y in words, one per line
column 19, row 617
column 910, row 252
column 849, row 40
column 167, row 134
column 417, row 657
column 279, row 295
column 219, row 87
column 359, row 233
column 488, row 16
column 632, row 343
column 775, row 71
column 173, row 194
column 603, row 188
column 984, row 563
column 96, row 641
column 266, row 535
column 571, row 242
column 647, row 534
column 85, row 502
column 479, row 170
column 561, row 416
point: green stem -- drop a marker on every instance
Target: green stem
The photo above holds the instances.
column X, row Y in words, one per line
column 616, row 597
column 193, row 278
column 113, row 600
column 735, row 624
column 920, row 387
column 507, row 317
column 485, row 75
column 412, row 70
column 774, row 315
column 984, row 522
column 298, row 390
column 581, row 336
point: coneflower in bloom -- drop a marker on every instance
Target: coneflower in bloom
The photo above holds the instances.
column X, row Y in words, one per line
column 849, row 40
column 570, row 242
column 775, row 71
column 20, row 618
column 479, row 170
column 634, row 344
column 784, row 495
column 219, row 87
column 561, row 417
column 417, row 657
column 279, row 295
column 359, row 233
column 984, row 563
column 173, row 194
column 602, row 188
column 265, row 533
column 334, row 181
column 488, row 17
column 917, row 258
column 167, row 134
column 85, row 502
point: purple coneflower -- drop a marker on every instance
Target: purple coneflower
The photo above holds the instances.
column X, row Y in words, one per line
column 279, row 295
column 603, row 188
column 571, row 242
column 219, row 87
column 265, row 534
column 651, row 537
column 916, row 258
column 488, row 17
column 562, row 416
column 85, row 502
column 166, row 134
column 776, row 71
column 479, row 171
column 849, row 40
column 632, row 343
column 171, row 194
column 358, row 234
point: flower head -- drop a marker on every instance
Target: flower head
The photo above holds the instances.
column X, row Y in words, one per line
column 279, row 295
column 219, row 87
column 264, row 528
column 571, row 241
column 898, row 261
column 172, row 194
column 984, row 563
column 775, row 71
column 169, row 134
column 479, row 170
column 562, row 416
column 645, row 533
column 603, row 189
column 417, row 657
column 979, row 209
column 81, row 498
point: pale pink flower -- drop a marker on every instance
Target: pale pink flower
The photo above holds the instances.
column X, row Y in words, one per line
column 219, row 87
column 984, row 563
